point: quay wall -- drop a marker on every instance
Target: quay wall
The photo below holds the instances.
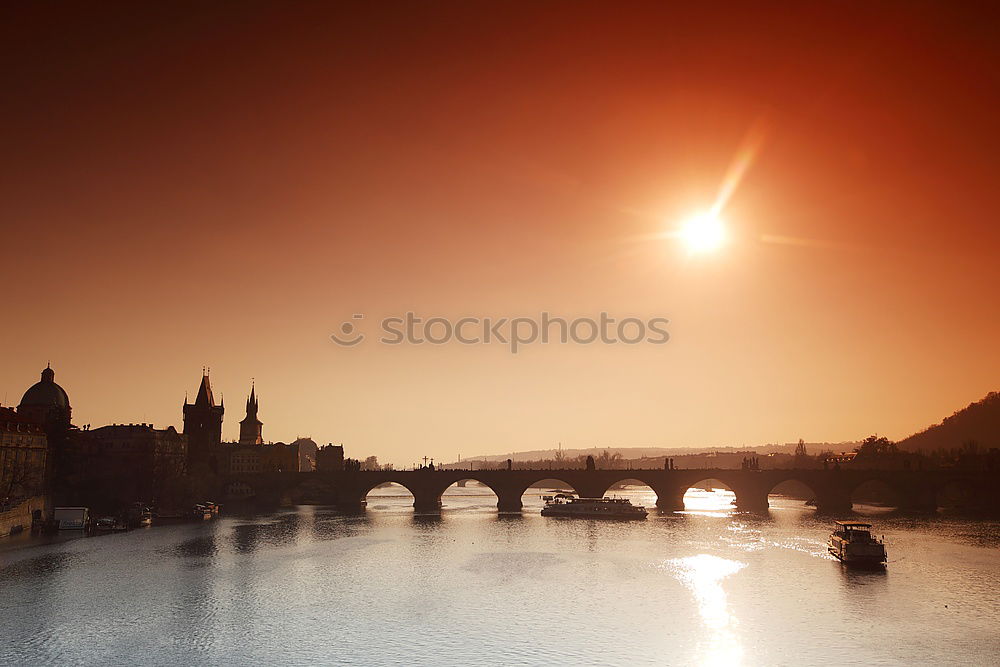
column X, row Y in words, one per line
column 19, row 518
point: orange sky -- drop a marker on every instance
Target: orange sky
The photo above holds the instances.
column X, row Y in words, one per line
column 223, row 185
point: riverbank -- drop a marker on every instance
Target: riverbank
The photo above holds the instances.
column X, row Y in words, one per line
column 19, row 517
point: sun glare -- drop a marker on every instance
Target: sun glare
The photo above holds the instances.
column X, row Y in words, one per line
column 703, row 233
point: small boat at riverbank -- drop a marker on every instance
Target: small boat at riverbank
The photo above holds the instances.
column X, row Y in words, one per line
column 139, row 515
column 105, row 524
column 110, row 524
column 852, row 543
column 593, row 508
column 206, row 510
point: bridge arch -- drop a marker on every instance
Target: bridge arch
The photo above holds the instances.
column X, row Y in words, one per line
column 875, row 493
column 387, row 499
column 629, row 481
column 794, row 488
column 469, row 492
column 535, row 489
column 554, row 481
column 642, row 488
column 709, row 494
column 954, row 493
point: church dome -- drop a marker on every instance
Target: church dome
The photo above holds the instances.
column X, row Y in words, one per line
column 45, row 394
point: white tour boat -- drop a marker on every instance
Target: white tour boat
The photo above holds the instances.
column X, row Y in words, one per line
column 852, row 542
column 593, row 508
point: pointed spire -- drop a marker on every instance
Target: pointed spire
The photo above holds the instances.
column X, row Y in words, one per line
column 252, row 401
column 205, row 397
column 250, row 427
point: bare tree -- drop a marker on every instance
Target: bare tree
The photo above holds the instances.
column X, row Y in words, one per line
column 19, row 474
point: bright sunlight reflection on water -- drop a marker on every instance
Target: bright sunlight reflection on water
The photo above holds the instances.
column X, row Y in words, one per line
column 703, row 574
column 717, row 502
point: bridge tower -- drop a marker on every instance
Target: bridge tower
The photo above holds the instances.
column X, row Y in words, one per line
column 251, row 428
column 203, row 428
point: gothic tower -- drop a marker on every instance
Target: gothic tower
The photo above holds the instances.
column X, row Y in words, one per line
column 203, row 428
column 250, row 427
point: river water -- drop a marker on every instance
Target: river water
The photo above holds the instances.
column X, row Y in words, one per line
column 309, row 586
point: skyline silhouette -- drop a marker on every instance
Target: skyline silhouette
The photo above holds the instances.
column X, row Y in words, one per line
column 974, row 424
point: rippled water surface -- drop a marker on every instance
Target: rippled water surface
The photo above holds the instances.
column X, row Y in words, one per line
column 310, row 586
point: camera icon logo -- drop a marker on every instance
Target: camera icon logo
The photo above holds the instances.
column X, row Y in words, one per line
column 349, row 335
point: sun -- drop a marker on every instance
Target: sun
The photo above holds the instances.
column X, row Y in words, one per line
column 704, row 232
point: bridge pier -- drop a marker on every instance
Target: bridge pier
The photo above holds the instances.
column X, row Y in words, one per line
column 426, row 501
column 351, row 507
column 670, row 501
column 350, row 499
column 509, row 501
column 751, row 499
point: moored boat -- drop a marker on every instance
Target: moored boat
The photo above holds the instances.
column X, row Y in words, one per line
column 110, row 524
column 140, row 515
column 852, row 543
column 105, row 524
column 205, row 510
column 593, row 508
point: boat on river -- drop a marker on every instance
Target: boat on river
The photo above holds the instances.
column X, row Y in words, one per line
column 593, row 508
column 206, row 510
column 852, row 543
column 110, row 524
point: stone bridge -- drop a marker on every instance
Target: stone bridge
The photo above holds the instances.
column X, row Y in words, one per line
column 832, row 489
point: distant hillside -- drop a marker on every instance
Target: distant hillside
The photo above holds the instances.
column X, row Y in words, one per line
column 980, row 422
column 635, row 453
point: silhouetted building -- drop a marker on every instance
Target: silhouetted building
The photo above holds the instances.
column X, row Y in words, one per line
column 330, row 458
column 23, row 455
column 307, row 454
column 116, row 465
column 280, row 457
column 250, row 454
column 243, row 458
column 150, row 454
column 272, row 457
column 203, row 428
column 46, row 403
column 251, row 428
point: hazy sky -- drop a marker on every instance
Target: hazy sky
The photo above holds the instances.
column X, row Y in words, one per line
column 223, row 184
